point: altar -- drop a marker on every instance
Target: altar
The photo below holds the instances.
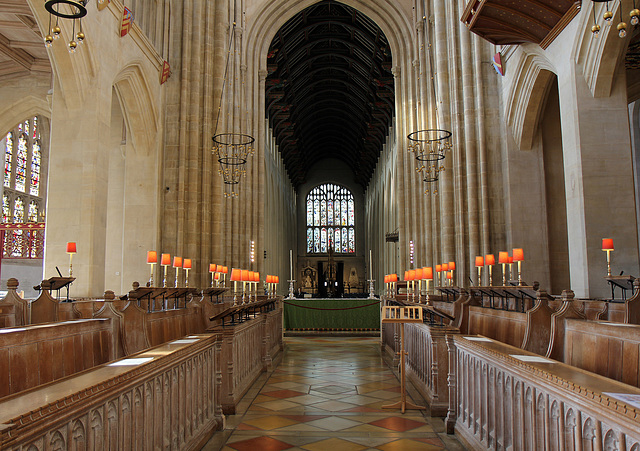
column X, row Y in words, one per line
column 337, row 314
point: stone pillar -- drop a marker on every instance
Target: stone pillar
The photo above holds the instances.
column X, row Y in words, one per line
column 598, row 181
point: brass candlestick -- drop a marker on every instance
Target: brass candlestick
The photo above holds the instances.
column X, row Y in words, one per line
column 151, row 276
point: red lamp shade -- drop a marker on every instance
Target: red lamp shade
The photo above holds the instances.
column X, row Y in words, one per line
column 428, row 273
column 489, row 259
column 245, row 275
column 186, row 264
column 452, row 266
column 479, row 260
column 212, row 267
column 277, row 279
column 510, row 259
column 235, row 275
column 412, row 274
column 406, row 275
column 503, row 257
column 438, row 268
column 607, row 244
column 386, row 278
column 225, row 270
column 256, row 276
column 394, row 277
column 216, row 276
column 518, row 255
column 71, row 248
column 152, row 257
column 177, row 262
column 419, row 275
column 165, row 259
column 269, row 279
column 449, row 275
column 445, row 266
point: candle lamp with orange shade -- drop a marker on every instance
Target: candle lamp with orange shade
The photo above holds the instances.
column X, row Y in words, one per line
column 244, row 278
column 607, row 246
column 152, row 259
column 165, row 260
column 490, row 260
column 177, row 263
column 186, row 265
column 412, row 278
column 427, row 272
column 437, row 277
column 443, row 273
column 479, row 265
column 212, row 270
column 518, row 256
column 236, row 276
column 419, row 278
column 256, row 280
column 71, row 249
column 452, row 267
column 225, row 271
column 503, row 259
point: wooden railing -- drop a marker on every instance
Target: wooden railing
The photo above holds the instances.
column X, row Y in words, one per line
column 168, row 402
column 498, row 401
column 22, row 240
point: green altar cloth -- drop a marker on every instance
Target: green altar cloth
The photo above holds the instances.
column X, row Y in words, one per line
column 296, row 317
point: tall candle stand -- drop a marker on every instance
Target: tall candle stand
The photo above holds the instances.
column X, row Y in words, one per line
column 372, row 294
column 291, row 295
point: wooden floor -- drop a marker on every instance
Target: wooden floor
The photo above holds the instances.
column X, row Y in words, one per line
column 327, row 394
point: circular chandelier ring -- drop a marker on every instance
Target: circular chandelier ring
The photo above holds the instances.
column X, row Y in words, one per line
column 233, row 139
column 438, row 135
column 80, row 9
column 232, row 161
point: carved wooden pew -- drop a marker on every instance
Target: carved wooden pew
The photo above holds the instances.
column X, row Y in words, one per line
column 38, row 354
column 502, row 397
column 250, row 343
column 169, row 399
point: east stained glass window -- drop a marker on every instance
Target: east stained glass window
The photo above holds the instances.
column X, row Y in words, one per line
column 18, row 210
column 330, row 219
column 6, row 209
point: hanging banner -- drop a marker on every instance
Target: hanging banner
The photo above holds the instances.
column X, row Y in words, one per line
column 497, row 63
column 127, row 21
column 166, row 72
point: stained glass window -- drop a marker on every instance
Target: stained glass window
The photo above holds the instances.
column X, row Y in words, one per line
column 35, row 127
column 8, row 159
column 328, row 206
column 6, row 209
column 309, row 240
column 32, row 215
column 26, row 127
column 21, row 163
column 18, row 210
column 36, row 158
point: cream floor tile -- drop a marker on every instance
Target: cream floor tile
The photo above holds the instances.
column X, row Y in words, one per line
column 333, row 423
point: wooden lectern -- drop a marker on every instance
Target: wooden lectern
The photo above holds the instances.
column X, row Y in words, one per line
column 392, row 314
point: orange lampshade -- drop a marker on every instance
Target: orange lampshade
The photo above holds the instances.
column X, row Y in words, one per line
column 419, row 275
column 269, row 279
column 386, row 278
column 177, row 262
column 445, row 266
column 438, row 268
column 412, row 274
column 152, row 257
column 235, row 275
column 165, row 259
column 277, row 279
column 428, row 273
column 518, row 255
column 71, row 248
column 607, row 244
column 186, row 264
column 510, row 259
column 406, row 275
column 212, row 267
column 489, row 259
column 449, row 275
column 452, row 266
column 245, row 275
column 503, row 257
column 479, row 260
column 225, row 270
column 256, row 276
column 216, row 276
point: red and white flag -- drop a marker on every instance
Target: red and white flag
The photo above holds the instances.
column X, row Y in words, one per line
column 166, row 72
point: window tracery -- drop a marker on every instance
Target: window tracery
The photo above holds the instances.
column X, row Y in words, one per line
column 330, row 219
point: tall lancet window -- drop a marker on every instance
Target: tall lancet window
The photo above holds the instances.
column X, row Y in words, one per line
column 330, row 219
column 25, row 154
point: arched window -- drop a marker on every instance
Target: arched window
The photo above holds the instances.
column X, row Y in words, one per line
column 24, row 165
column 331, row 219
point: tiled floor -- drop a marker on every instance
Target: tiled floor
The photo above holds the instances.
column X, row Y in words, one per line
column 327, row 394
